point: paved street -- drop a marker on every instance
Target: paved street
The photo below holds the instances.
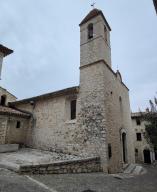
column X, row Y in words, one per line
column 11, row 182
column 98, row 182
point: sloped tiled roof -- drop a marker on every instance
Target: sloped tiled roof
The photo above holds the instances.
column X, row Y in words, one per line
column 71, row 90
column 92, row 14
column 6, row 51
column 10, row 111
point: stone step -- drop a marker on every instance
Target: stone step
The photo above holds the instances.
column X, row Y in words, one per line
column 125, row 166
column 10, row 166
column 130, row 169
column 138, row 169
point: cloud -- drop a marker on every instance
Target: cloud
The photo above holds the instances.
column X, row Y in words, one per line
column 45, row 37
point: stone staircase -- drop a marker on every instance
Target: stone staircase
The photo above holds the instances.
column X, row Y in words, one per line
column 133, row 169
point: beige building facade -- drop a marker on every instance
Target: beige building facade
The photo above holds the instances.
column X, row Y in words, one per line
column 144, row 152
column 92, row 119
column 13, row 123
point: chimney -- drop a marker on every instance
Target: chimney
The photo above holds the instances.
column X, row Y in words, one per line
column 4, row 51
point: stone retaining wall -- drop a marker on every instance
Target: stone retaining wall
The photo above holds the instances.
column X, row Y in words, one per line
column 75, row 166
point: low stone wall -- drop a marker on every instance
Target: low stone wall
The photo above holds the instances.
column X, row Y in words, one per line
column 74, row 166
column 9, row 148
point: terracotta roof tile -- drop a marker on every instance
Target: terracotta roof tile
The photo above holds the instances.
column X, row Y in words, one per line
column 92, row 14
column 7, row 110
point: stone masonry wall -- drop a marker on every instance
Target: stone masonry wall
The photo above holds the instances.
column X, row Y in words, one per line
column 101, row 117
column 16, row 135
column 88, row 165
column 118, row 118
column 91, row 117
column 3, row 128
column 53, row 130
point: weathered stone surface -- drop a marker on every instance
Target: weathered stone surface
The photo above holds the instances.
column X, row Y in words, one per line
column 9, row 148
column 76, row 166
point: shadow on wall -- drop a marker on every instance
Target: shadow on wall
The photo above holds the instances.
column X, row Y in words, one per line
column 88, row 191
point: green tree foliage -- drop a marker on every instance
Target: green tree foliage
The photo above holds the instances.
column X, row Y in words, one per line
column 151, row 123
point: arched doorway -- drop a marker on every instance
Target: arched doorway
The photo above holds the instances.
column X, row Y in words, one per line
column 147, row 158
column 124, row 147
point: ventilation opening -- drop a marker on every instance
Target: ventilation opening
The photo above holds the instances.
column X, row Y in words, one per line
column 88, row 191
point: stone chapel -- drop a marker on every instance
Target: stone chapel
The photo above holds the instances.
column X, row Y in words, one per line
column 92, row 119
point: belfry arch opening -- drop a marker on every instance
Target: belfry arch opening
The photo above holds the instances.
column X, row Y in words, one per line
column 90, row 31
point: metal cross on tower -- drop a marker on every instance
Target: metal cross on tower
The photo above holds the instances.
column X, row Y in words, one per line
column 93, row 5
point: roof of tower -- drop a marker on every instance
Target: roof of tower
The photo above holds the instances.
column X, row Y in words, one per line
column 92, row 14
column 155, row 4
column 6, row 51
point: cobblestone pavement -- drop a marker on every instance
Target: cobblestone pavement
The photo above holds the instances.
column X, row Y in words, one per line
column 34, row 156
column 97, row 182
column 11, row 182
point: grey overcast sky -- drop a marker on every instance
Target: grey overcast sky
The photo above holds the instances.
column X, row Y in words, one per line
column 44, row 35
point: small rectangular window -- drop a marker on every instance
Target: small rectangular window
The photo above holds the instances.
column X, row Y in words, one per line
column 105, row 31
column 73, row 109
column 139, row 136
column 90, row 31
column 18, row 124
column 138, row 122
column 136, row 150
column 109, row 151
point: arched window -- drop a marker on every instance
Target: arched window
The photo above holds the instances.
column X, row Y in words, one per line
column 3, row 100
column 90, row 31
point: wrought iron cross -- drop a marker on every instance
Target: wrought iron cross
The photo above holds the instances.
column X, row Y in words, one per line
column 92, row 5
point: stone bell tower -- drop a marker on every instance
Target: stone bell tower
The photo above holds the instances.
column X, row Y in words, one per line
column 95, row 39
column 103, row 98
column 95, row 56
column 4, row 51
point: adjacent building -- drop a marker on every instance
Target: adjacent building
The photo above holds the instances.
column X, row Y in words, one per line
column 144, row 152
